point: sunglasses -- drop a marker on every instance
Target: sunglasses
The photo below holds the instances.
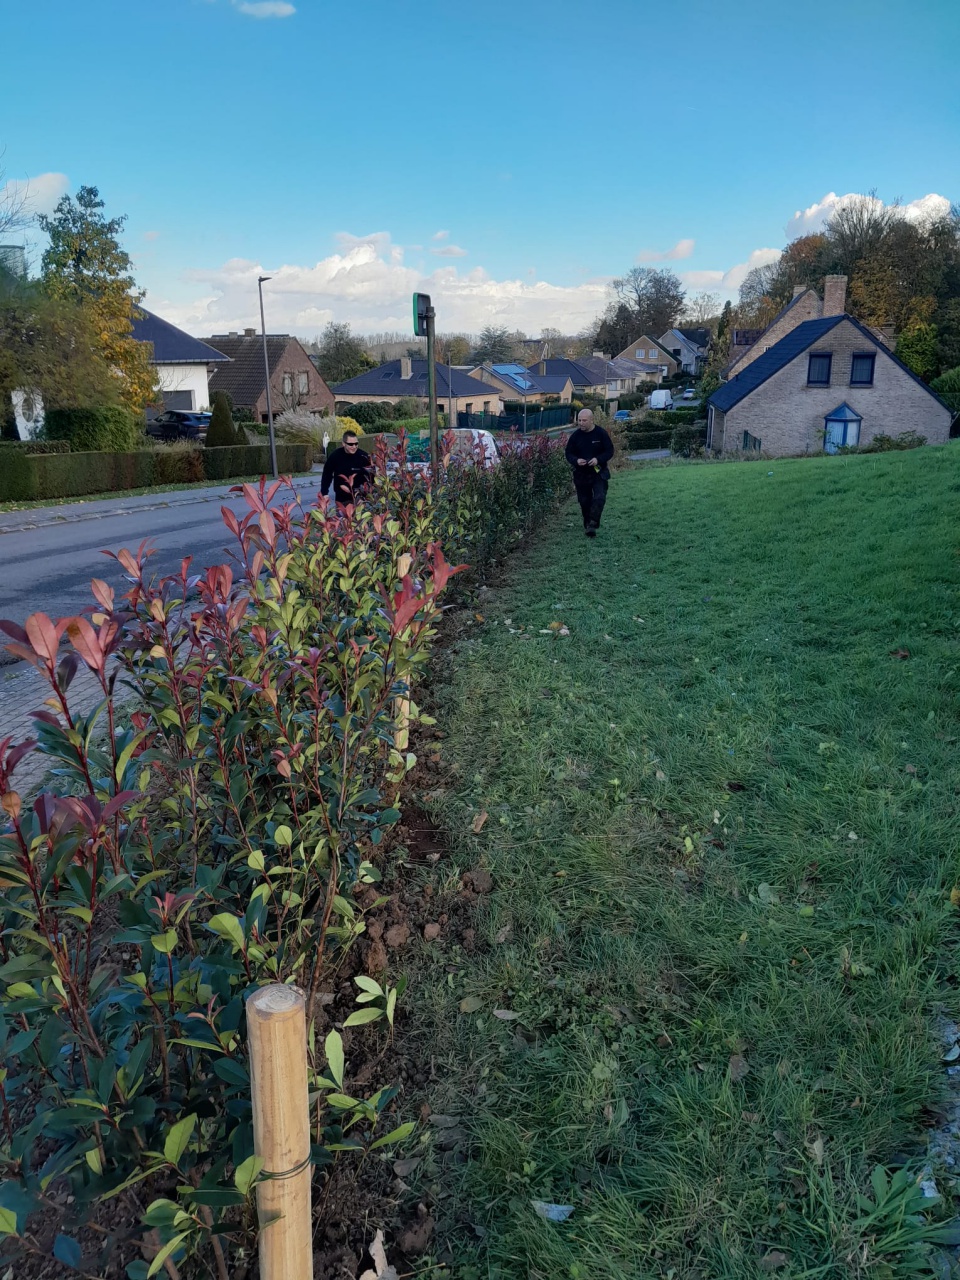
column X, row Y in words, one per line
column 351, row 444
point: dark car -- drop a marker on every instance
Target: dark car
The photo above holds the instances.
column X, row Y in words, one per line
column 179, row 424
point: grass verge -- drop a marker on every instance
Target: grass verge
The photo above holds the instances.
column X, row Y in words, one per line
column 723, row 831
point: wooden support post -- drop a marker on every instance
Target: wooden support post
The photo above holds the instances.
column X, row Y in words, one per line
column 277, row 1035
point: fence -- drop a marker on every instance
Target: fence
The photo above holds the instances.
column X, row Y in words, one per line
column 535, row 419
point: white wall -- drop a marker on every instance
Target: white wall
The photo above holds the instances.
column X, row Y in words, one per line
column 186, row 377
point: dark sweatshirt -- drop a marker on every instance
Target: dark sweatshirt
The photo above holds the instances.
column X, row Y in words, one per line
column 341, row 464
column 594, row 443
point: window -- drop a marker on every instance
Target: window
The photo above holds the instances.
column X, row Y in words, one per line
column 303, row 383
column 841, row 429
column 751, row 444
column 818, row 370
column 288, row 384
column 486, row 406
column 861, row 370
column 653, row 353
column 469, row 406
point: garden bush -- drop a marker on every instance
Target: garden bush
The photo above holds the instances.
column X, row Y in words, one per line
column 688, row 441
column 368, row 415
column 252, row 460
column 213, row 840
column 221, row 432
column 107, row 429
column 34, row 446
column 887, row 444
column 657, row 439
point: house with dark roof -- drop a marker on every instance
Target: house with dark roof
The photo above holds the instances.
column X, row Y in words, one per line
column 295, row 384
column 457, row 392
column 183, row 363
column 649, row 352
column 585, row 380
column 688, row 347
column 517, row 383
column 827, row 383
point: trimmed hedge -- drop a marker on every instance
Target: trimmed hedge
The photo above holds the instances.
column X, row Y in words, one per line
column 109, row 429
column 34, row 446
column 638, row 440
column 28, row 477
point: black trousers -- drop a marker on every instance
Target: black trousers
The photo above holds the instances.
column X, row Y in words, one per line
column 591, row 490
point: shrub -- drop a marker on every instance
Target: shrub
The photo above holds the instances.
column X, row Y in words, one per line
column 640, row 440
column 179, row 463
column 252, row 460
column 887, row 444
column 947, row 387
column 221, row 431
column 34, row 446
column 18, row 481
column 368, row 415
column 108, row 429
column 688, row 441
column 409, row 407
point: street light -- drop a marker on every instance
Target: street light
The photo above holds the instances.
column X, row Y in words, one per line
column 266, row 370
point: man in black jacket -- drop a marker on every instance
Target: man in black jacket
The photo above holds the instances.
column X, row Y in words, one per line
column 349, row 469
column 589, row 451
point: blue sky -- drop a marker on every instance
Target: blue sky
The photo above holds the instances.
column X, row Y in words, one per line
column 510, row 157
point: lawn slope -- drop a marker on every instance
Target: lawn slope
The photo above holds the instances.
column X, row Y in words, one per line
column 723, row 833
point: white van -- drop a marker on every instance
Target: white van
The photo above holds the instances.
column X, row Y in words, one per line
column 661, row 400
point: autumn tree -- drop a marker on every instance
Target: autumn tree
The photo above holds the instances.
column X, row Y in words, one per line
column 341, row 355
column 84, row 264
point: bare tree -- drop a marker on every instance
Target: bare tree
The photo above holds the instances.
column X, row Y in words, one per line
column 656, row 298
column 859, row 228
column 14, row 205
column 701, row 307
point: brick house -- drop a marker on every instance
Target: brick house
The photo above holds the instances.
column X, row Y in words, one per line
column 457, row 392
column 829, row 382
column 295, row 384
column 688, row 347
column 648, row 351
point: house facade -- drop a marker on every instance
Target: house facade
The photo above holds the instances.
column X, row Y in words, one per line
column 748, row 345
column 827, row 384
column 183, row 363
column 648, row 351
column 517, row 383
column 688, row 347
column 457, row 392
column 295, row 384
column 584, row 379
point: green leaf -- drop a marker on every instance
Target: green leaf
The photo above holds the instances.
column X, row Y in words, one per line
column 397, row 1135
column 227, row 926
column 256, row 861
column 342, row 1101
column 178, row 1138
column 161, row 1213
column 67, row 1251
column 8, row 1222
column 391, row 1005
column 361, row 1016
column 170, row 1247
column 283, row 836
column 333, row 1048
column 368, row 984
column 164, row 942
column 247, row 1173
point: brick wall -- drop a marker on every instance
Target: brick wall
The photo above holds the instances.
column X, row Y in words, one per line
column 294, row 362
column 788, row 416
column 807, row 307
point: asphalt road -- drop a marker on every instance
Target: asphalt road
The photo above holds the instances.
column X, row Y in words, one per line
column 48, row 567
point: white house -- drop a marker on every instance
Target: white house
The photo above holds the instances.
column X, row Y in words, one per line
column 183, row 363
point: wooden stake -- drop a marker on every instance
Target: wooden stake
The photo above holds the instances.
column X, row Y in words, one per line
column 277, row 1035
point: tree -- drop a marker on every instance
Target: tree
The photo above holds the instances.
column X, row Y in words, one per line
column 221, row 431
column 456, row 348
column 495, row 346
column 917, row 348
column 655, row 297
column 617, row 329
column 947, row 387
column 340, row 355
column 84, row 264
column 701, row 307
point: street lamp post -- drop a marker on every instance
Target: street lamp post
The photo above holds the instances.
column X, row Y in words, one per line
column 266, row 370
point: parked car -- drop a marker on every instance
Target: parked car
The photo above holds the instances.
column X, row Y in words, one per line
column 179, row 424
column 661, row 400
column 688, row 394
column 622, row 415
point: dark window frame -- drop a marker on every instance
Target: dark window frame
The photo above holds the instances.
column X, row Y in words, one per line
column 819, row 355
column 863, row 355
column 751, row 443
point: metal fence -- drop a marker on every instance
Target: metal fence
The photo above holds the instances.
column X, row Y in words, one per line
column 560, row 415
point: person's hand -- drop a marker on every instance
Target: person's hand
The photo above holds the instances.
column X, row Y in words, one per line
column 581, row 462
column 592, row 462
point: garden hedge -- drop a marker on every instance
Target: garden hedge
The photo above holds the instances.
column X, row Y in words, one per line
column 34, row 446
column 26, row 477
column 110, row 428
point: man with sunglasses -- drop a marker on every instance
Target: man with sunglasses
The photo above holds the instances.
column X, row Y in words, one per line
column 349, row 469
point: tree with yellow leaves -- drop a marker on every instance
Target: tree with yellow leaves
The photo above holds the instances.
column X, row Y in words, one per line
column 85, row 264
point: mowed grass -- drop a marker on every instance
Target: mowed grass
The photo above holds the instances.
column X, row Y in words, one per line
column 723, row 826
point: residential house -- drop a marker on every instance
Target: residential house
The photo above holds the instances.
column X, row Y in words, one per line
column 648, row 351
column 687, row 346
column 828, row 383
column 586, row 381
column 517, row 383
column 457, row 392
column 183, row 363
column 295, row 384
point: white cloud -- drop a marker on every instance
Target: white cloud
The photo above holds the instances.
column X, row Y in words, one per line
column 440, row 235
column 682, row 249
column 264, row 8
column 39, row 194
column 450, row 251
column 151, row 235
column 731, row 279
column 815, row 217
column 368, row 284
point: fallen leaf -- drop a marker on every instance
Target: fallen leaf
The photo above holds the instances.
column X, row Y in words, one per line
column 952, row 1054
column 382, row 1269
column 503, row 934
column 443, row 1122
column 470, row 1004
column 403, row 1168
column 773, row 1260
column 739, row 1067
column 955, row 896
column 661, row 776
column 664, row 1041
column 477, row 825
column 552, row 1212
column 505, row 1015
column 815, row 1150
column 479, row 617
column 750, row 1117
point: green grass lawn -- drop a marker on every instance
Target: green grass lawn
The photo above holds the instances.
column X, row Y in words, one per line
column 723, row 827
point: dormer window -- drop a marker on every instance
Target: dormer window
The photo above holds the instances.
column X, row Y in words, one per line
column 842, row 429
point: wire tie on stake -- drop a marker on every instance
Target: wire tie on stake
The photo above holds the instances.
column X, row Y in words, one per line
column 289, row 1173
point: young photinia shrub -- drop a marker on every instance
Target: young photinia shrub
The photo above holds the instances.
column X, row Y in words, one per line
column 210, row 842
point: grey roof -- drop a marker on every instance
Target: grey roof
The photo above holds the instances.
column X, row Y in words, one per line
column 788, row 348
column 760, row 332
column 699, row 337
column 385, row 380
column 170, row 344
column 646, row 341
column 578, row 371
column 243, row 379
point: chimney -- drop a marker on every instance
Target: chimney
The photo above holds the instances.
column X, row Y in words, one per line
column 834, row 295
column 542, row 368
column 233, row 334
column 798, row 289
column 406, row 367
column 249, row 333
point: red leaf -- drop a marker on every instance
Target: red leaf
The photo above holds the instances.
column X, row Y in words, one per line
column 104, row 593
column 84, row 640
column 44, row 636
column 13, row 630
